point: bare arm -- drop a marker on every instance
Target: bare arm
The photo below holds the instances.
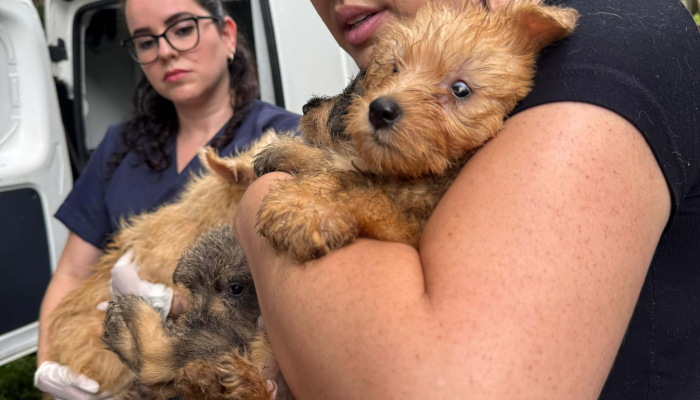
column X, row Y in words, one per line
column 527, row 276
column 74, row 267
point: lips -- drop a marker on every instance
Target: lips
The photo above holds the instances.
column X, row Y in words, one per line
column 174, row 75
column 359, row 23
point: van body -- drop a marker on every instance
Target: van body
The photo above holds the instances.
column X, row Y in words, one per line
column 60, row 88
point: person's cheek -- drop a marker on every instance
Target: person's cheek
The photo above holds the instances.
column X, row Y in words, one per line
column 154, row 76
column 323, row 9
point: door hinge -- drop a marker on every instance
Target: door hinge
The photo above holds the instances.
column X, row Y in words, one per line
column 58, row 52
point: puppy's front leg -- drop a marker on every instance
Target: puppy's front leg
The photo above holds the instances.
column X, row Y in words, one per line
column 134, row 330
column 301, row 217
column 288, row 154
column 379, row 218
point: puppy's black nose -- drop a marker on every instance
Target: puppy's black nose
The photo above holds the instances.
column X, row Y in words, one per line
column 383, row 112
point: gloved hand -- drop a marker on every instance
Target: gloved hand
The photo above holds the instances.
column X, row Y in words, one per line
column 272, row 389
column 126, row 280
column 61, row 383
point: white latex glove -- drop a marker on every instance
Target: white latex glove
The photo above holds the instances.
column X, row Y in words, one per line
column 272, row 389
column 126, row 280
column 61, row 383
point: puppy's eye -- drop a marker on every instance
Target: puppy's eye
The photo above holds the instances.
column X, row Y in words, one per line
column 395, row 70
column 461, row 90
column 235, row 289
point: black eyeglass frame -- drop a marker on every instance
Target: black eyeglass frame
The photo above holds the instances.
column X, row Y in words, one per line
column 125, row 43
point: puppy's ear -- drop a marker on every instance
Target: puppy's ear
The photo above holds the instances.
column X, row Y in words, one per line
column 233, row 170
column 544, row 24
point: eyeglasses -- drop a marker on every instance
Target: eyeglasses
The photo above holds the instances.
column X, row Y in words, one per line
column 183, row 35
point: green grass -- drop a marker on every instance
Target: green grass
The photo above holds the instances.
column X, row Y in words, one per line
column 17, row 380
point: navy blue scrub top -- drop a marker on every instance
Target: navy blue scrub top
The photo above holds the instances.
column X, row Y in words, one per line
column 95, row 206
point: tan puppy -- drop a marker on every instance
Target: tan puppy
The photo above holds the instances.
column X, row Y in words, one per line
column 436, row 89
column 157, row 240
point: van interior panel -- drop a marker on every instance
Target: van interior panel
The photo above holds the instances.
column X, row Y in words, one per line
column 25, row 265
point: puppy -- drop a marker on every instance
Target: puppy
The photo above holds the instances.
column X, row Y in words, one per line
column 436, row 89
column 157, row 240
column 206, row 346
column 323, row 133
column 216, row 350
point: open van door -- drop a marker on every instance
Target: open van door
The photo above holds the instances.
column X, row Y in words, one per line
column 35, row 176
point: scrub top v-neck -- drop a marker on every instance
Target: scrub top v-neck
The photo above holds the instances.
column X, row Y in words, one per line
column 98, row 202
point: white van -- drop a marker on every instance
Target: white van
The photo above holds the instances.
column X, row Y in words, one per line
column 60, row 90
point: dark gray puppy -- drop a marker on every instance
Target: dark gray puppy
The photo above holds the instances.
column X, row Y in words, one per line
column 216, row 348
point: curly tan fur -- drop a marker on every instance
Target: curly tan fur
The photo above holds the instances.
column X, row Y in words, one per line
column 385, row 181
column 157, row 240
column 202, row 379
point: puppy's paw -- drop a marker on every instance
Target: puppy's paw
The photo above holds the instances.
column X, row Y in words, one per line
column 117, row 336
column 289, row 154
column 134, row 330
column 265, row 162
column 306, row 230
column 277, row 156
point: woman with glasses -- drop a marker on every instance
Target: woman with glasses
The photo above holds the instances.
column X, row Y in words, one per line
column 199, row 88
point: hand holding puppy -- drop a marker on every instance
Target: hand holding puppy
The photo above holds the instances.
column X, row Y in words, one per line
column 125, row 280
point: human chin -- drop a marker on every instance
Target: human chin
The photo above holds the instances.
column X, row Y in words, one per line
column 361, row 56
column 181, row 94
column 361, row 53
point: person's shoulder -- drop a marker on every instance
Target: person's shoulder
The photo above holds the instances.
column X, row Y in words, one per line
column 639, row 60
column 260, row 118
column 264, row 107
column 626, row 30
column 111, row 141
column 271, row 116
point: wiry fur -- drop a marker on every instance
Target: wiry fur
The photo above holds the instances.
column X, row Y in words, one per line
column 216, row 350
column 157, row 240
column 384, row 183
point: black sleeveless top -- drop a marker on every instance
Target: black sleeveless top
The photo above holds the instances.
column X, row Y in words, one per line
column 641, row 60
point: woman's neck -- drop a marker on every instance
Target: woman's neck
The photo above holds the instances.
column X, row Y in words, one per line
column 201, row 121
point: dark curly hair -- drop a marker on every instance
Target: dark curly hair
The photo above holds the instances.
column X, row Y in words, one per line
column 155, row 125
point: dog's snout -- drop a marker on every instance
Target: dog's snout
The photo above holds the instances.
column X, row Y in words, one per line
column 383, row 112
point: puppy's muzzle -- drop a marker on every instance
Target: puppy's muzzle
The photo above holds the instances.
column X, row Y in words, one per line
column 383, row 113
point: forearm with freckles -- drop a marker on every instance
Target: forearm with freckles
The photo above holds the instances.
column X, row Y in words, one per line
column 528, row 273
